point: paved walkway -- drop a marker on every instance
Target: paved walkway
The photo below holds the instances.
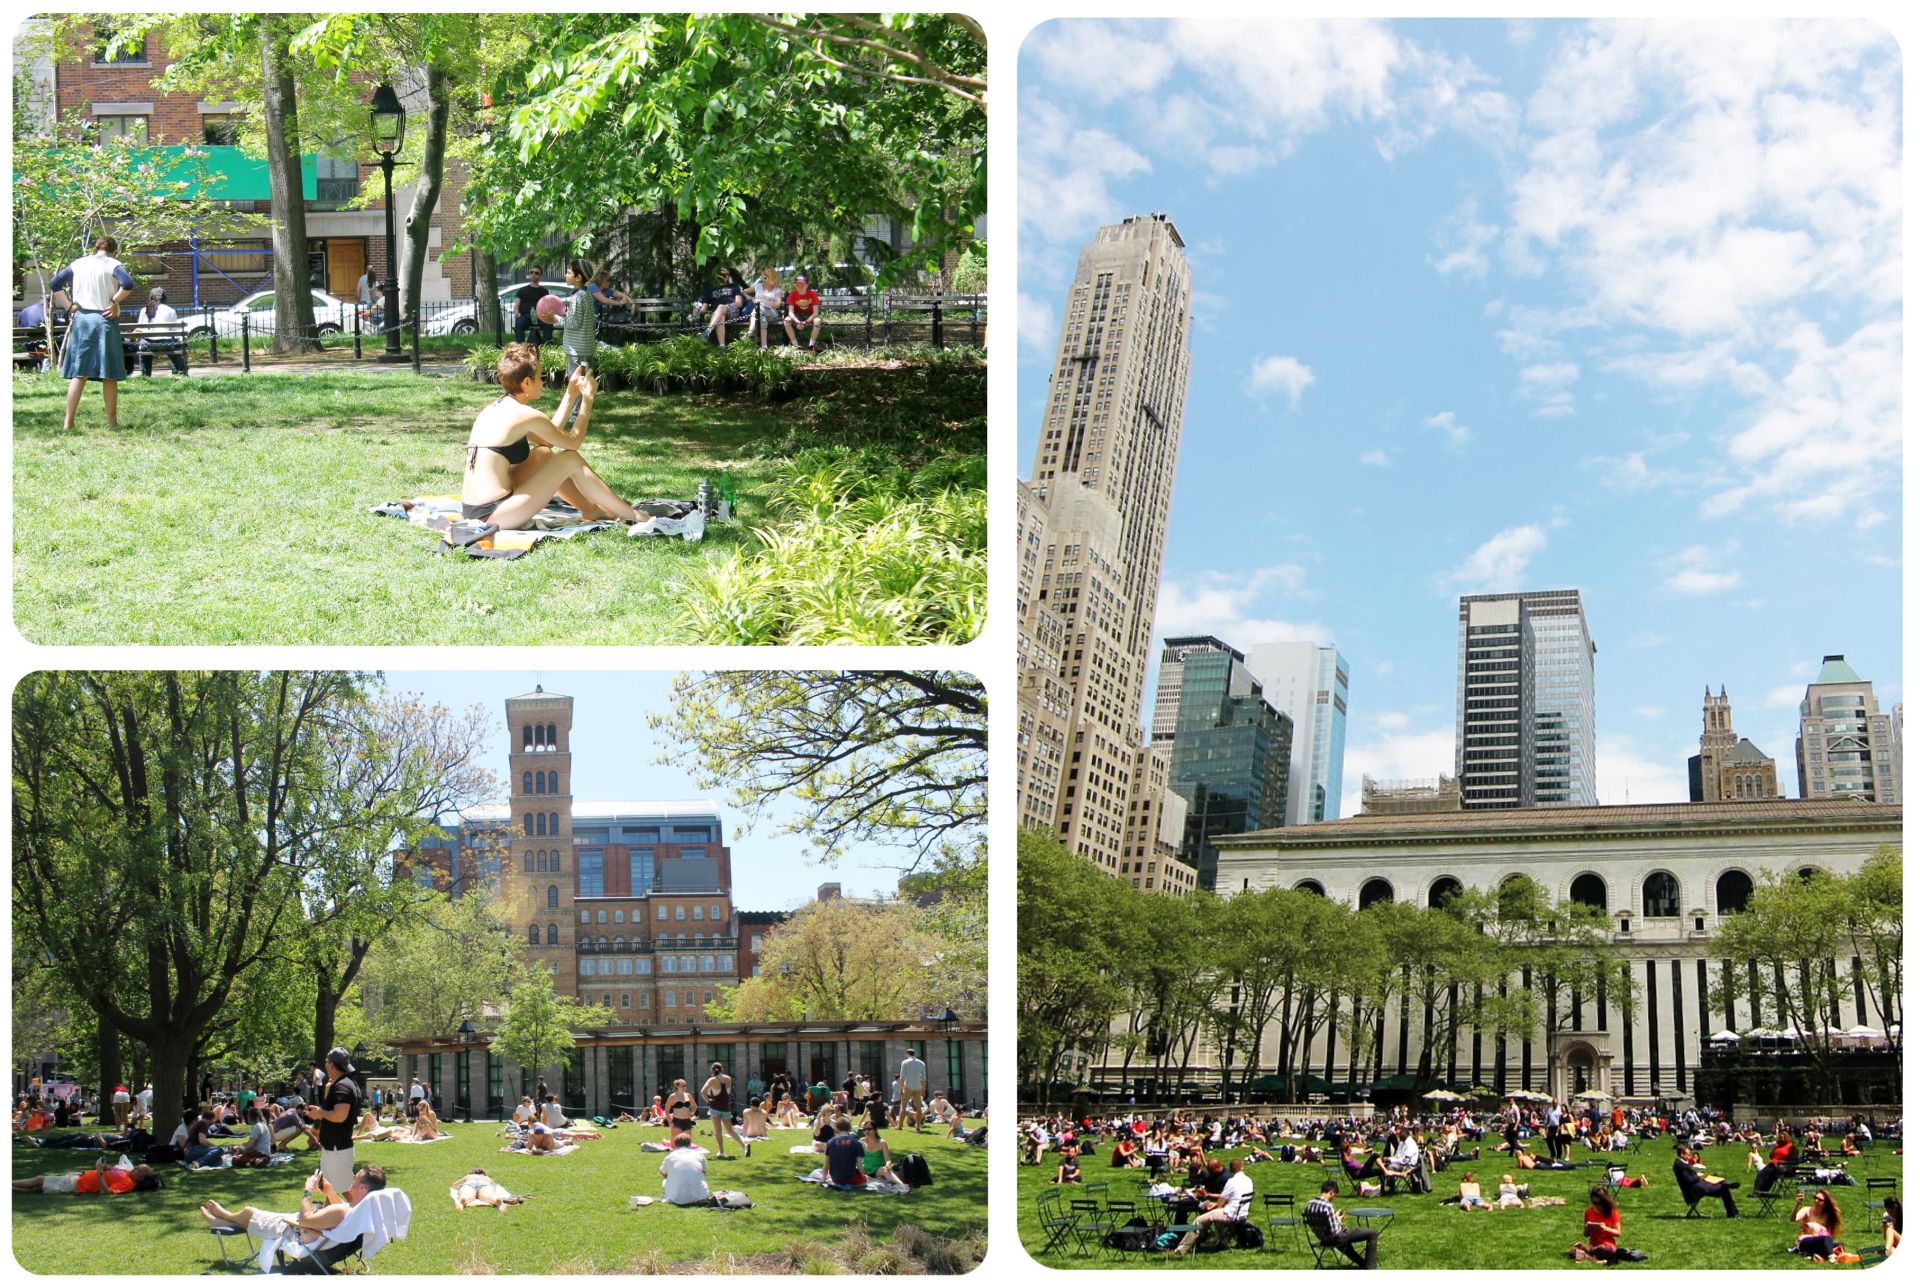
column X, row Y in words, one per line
column 227, row 367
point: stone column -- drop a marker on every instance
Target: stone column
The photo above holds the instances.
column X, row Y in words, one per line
column 590, row 1080
column 973, row 1068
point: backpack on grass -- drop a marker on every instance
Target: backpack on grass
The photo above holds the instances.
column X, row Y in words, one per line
column 913, row 1171
column 1135, row 1235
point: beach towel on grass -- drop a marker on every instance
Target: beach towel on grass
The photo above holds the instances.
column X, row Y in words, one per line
column 441, row 514
column 435, row 1140
column 562, row 1151
column 819, row 1176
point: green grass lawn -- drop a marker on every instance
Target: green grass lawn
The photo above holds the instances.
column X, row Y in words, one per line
column 1426, row 1235
column 234, row 510
column 578, row 1220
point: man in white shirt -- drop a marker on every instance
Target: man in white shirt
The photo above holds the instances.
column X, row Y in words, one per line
column 1231, row 1207
column 683, row 1173
column 414, row 1095
column 552, row 1114
column 1407, row 1163
column 913, row 1090
column 145, row 1099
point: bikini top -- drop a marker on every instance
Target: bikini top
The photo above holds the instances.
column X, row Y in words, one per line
column 515, row 452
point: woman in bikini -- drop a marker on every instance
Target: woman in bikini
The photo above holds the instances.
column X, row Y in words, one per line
column 519, row 459
column 681, row 1109
column 426, row 1126
column 478, row 1189
column 371, row 1130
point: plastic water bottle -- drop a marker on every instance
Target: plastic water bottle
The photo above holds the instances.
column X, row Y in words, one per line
column 728, row 498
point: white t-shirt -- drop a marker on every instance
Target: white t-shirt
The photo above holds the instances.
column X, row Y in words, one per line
column 1238, row 1194
column 145, row 1099
column 767, row 296
column 179, row 1135
column 913, row 1073
column 157, row 313
column 96, row 280
column 554, row 1114
column 416, row 1092
column 684, row 1173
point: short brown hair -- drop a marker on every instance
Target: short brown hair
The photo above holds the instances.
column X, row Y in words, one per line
column 518, row 364
column 374, row 1177
column 108, row 244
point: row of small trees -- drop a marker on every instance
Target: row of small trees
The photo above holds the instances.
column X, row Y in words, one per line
column 1146, row 980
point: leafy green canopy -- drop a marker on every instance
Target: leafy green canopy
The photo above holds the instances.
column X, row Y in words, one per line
column 769, row 137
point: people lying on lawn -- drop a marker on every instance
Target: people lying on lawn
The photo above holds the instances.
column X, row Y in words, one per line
column 320, row 1209
column 478, row 1189
column 519, row 459
column 105, row 1178
column 541, row 1138
column 1470, row 1198
column 371, row 1130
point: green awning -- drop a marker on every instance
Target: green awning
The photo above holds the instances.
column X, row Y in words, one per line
column 239, row 177
column 1397, row 1081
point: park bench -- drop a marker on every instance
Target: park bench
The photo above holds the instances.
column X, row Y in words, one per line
column 940, row 319
column 28, row 342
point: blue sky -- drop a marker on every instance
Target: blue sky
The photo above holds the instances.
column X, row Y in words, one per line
column 615, row 757
column 1488, row 305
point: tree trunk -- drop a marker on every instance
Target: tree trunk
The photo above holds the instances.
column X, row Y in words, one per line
column 292, row 291
column 112, row 1073
column 329, row 994
column 170, row 1074
column 486, row 297
column 426, row 194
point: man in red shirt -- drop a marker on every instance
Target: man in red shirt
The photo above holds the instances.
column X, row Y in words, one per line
column 803, row 307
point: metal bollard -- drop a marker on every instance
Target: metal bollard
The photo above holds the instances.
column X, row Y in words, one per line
column 246, row 346
column 936, row 323
column 416, row 339
column 213, row 337
column 356, row 333
column 869, row 317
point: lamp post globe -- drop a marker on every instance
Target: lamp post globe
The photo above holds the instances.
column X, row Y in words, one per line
column 388, row 119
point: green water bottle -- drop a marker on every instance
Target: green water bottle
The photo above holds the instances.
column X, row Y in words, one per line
column 728, row 498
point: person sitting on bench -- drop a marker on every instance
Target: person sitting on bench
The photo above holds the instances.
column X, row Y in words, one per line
column 320, row 1209
column 159, row 312
column 1231, row 1207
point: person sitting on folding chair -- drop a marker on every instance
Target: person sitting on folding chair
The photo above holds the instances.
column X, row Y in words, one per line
column 320, row 1209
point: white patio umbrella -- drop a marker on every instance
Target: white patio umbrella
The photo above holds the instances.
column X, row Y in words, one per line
column 1442, row 1094
column 1724, row 1035
column 1862, row 1030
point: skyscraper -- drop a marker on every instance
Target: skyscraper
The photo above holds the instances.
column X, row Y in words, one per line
column 1231, row 751
column 1308, row 683
column 1098, row 499
column 1846, row 748
column 1523, row 733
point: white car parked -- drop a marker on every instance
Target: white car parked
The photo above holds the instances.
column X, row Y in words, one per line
column 463, row 318
column 330, row 316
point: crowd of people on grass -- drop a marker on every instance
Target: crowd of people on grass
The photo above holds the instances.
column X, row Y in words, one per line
column 1379, row 1153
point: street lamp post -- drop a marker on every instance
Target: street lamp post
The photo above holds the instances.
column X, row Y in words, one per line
column 466, row 1031
column 389, row 132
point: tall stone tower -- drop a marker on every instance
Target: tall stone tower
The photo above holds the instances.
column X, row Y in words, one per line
column 1100, row 494
column 1716, row 741
column 539, row 886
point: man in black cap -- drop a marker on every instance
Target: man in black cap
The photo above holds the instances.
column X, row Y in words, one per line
column 335, row 1116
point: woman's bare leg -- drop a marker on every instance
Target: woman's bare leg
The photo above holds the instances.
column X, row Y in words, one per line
column 600, row 500
column 75, row 387
column 112, row 390
column 532, row 492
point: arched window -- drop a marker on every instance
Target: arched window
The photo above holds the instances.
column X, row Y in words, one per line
column 540, row 861
column 553, row 783
column 539, row 824
column 529, row 865
column 619, row 943
column 1731, row 892
column 540, row 783
column 601, row 942
column 529, row 821
column 526, row 737
column 1375, row 891
column 671, row 1001
column 1313, row 887
column 1443, row 891
column 526, row 784
column 553, row 895
column 556, row 860
column 553, row 823
column 1808, row 874
column 1589, row 890
column 533, row 935
column 553, row 736
column 697, row 911
column 713, row 911
column 553, row 936
column 1660, row 895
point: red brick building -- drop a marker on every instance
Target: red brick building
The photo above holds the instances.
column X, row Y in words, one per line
column 121, row 97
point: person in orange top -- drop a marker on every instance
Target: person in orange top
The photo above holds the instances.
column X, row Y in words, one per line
column 104, row 1178
column 1603, row 1228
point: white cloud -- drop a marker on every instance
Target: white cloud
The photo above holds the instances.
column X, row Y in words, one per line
column 1499, row 564
column 1376, row 459
column 1649, row 712
column 1456, row 434
column 1065, row 172
column 1545, row 384
column 1128, row 57
column 1626, row 775
column 1039, row 325
column 1701, row 570
column 1228, row 604
column 1786, row 695
column 1388, row 748
column 1280, row 373
column 1465, row 240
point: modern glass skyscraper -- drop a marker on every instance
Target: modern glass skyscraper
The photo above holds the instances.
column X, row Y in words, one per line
column 1230, row 751
column 1097, row 503
column 1308, row 683
column 1524, row 733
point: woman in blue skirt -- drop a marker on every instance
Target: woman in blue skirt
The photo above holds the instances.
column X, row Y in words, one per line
column 94, row 285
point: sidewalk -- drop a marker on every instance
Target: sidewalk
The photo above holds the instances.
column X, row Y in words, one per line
column 228, row 367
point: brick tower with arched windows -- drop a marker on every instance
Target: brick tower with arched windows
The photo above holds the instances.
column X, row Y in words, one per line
column 538, row 878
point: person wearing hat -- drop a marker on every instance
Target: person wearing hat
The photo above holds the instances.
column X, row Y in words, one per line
column 334, row 1116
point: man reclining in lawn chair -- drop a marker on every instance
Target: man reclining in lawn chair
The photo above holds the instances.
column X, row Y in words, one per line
column 328, row 1227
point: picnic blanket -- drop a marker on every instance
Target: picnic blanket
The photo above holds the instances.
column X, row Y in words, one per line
column 442, row 514
column 435, row 1140
column 557, row 1152
column 819, row 1176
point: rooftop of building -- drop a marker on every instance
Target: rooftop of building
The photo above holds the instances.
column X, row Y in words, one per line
column 1835, row 670
column 1563, row 820
column 1745, row 752
column 607, row 809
